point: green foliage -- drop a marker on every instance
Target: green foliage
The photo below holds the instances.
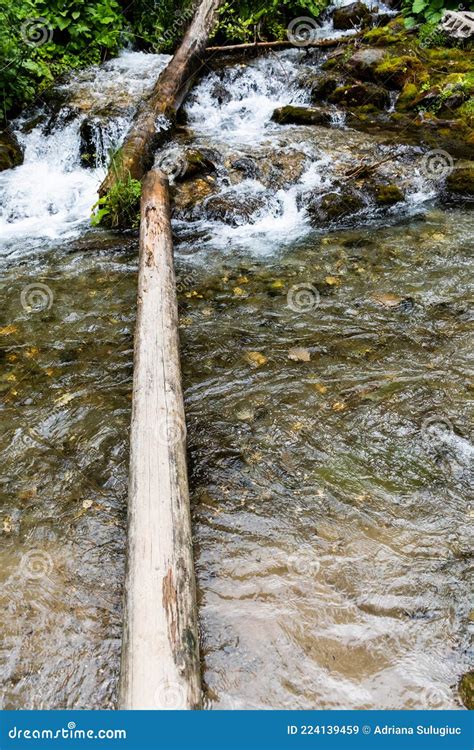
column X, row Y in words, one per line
column 244, row 20
column 40, row 39
column 427, row 12
column 159, row 25
column 431, row 35
column 120, row 208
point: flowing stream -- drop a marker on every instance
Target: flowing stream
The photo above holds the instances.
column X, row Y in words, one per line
column 326, row 375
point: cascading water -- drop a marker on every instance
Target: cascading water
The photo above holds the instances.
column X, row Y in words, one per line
column 51, row 195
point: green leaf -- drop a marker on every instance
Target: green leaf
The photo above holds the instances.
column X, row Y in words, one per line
column 418, row 6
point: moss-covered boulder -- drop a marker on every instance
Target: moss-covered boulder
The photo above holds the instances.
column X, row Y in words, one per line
column 466, row 690
column 351, row 16
column 394, row 71
column 387, row 194
column 359, row 94
column 323, row 86
column 382, row 35
column 460, row 180
column 334, row 206
column 196, row 162
column 408, row 96
column 302, row 116
column 11, row 153
column 364, row 62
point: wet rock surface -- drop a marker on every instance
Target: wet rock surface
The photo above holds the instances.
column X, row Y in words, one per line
column 351, row 16
column 303, row 116
column 460, row 180
column 11, row 153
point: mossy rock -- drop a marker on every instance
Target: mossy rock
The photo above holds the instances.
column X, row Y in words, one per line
column 360, row 94
column 395, row 71
column 11, row 153
column 408, row 96
column 196, row 163
column 466, row 690
column 461, row 179
column 323, row 86
column 381, row 35
column 387, row 195
column 333, row 206
column 364, row 62
column 302, row 115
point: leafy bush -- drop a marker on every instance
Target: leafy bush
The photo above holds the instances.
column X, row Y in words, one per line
column 120, row 208
column 426, row 11
column 158, row 25
column 431, row 35
column 240, row 21
column 40, row 39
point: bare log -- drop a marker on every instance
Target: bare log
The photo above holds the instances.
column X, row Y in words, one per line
column 249, row 46
column 155, row 115
column 160, row 653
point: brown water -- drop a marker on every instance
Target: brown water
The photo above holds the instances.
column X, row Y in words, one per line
column 330, row 497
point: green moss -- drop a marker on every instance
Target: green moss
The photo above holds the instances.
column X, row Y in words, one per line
column 466, row 109
column 407, row 95
column 396, row 69
column 330, row 64
column 466, row 690
column 461, row 179
column 302, row 115
column 381, row 35
column 388, row 195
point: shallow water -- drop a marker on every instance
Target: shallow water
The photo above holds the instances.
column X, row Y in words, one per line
column 330, row 495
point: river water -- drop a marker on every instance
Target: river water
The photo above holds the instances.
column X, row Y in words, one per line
column 326, row 375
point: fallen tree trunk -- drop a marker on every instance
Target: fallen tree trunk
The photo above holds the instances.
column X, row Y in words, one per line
column 160, row 654
column 155, row 116
column 249, row 46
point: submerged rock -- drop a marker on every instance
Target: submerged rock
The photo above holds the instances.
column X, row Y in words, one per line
column 190, row 194
column 351, row 16
column 11, row 153
column 247, row 166
column 302, row 115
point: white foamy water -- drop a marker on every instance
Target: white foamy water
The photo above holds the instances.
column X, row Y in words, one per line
column 232, row 110
column 50, row 196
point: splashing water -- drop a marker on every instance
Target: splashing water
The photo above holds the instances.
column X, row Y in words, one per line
column 50, row 196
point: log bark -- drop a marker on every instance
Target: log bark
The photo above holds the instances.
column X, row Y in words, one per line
column 160, row 654
column 155, row 116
